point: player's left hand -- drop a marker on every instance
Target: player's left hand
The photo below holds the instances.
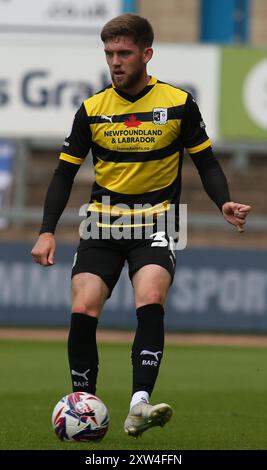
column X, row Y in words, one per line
column 236, row 214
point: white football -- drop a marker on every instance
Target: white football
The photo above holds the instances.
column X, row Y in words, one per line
column 80, row 417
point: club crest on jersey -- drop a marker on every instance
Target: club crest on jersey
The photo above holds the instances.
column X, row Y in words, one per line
column 160, row 115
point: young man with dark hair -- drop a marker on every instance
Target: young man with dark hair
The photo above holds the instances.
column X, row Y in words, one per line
column 137, row 129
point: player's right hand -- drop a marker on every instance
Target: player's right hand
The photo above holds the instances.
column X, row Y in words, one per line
column 44, row 249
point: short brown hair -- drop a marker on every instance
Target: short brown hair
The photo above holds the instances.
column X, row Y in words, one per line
column 134, row 26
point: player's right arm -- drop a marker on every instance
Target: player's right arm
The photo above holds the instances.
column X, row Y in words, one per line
column 44, row 249
column 74, row 151
column 56, row 200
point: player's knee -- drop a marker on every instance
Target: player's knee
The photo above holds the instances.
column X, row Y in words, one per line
column 92, row 310
column 153, row 297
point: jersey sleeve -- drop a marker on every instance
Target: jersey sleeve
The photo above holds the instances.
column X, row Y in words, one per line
column 78, row 142
column 212, row 176
column 74, row 150
column 193, row 127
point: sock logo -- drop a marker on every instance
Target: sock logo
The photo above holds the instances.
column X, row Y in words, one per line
column 84, row 383
column 147, row 362
column 151, row 353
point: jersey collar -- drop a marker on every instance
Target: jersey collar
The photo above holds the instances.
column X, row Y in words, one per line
column 133, row 98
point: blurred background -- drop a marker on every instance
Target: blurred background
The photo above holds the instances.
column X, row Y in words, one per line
column 51, row 60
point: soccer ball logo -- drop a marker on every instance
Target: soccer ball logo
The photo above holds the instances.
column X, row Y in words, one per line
column 80, row 417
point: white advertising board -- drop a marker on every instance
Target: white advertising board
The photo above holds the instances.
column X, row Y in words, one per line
column 42, row 87
column 86, row 16
column 196, row 69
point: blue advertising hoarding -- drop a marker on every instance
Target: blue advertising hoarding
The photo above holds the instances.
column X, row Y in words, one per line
column 213, row 290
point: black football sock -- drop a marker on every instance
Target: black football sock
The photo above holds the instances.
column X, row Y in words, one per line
column 82, row 352
column 147, row 347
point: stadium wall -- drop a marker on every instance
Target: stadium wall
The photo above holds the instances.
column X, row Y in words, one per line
column 174, row 20
column 213, row 290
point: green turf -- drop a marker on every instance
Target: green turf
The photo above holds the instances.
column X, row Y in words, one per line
column 218, row 395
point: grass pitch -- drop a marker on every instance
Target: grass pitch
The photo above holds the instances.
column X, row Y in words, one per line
column 218, row 395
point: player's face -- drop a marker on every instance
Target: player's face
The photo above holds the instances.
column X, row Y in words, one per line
column 127, row 64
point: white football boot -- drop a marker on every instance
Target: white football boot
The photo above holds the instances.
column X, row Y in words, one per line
column 143, row 416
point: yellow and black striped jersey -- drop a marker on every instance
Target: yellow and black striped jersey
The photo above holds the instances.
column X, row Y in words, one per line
column 137, row 142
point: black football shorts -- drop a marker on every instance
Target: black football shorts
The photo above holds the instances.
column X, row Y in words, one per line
column 106, row 257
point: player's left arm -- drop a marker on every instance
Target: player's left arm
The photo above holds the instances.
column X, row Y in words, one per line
column 215, row 184
column 214, row 181
column 236, row 213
